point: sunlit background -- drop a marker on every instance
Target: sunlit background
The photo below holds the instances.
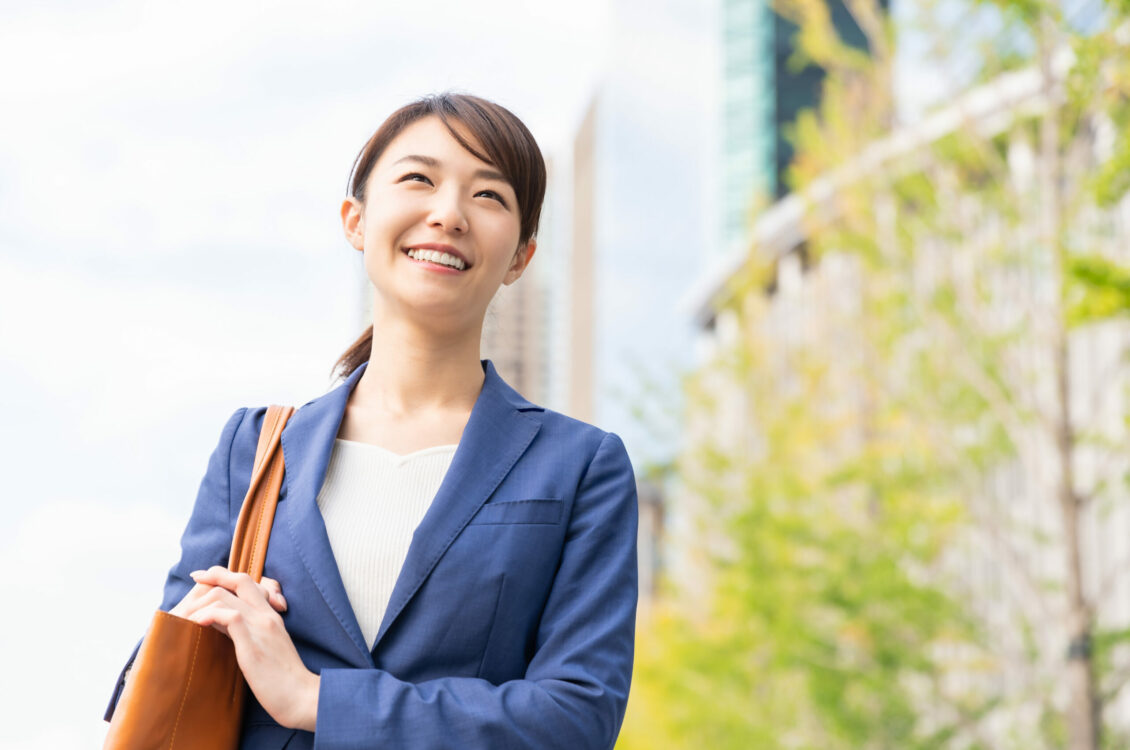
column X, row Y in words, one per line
column 850, row 278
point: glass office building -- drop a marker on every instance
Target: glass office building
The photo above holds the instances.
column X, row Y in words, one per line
column 761, row 98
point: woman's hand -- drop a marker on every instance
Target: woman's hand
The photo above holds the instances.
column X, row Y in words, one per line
column 245, row 611
column 270, row 587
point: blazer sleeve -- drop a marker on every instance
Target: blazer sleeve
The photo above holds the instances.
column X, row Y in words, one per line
column 207, row 538
column 575, row 689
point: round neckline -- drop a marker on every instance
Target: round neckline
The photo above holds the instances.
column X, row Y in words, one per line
column 401, row 456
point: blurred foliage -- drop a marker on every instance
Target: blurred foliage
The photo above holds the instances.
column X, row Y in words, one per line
column 1100, row 289
column 822, row 628
column 841, row 454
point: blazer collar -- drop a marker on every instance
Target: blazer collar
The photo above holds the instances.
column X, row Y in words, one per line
column 496, row 435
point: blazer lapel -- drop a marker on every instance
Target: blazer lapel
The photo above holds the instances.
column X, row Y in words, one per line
column 307, row 443
column 495, row 437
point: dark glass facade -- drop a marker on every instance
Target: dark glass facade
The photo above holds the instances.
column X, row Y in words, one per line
column 762, row 95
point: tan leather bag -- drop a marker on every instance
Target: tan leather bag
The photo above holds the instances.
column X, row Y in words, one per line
column 185, row 690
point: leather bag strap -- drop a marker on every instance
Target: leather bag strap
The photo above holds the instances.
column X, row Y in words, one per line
column 253, row 529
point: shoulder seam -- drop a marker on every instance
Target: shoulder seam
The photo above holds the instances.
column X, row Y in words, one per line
column 592, row 458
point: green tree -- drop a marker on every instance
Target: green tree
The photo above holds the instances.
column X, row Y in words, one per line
column 849, row 444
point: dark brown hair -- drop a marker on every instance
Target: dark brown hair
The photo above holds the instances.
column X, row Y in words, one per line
column 508, row 145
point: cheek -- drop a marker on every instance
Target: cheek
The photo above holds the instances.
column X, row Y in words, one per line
column 377, row 242
column 376, row 227
column 503, row 233
column 387, row 217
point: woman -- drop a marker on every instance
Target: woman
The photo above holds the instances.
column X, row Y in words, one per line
column 450, row 565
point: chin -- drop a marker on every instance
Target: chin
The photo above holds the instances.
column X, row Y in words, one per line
column 442, row 313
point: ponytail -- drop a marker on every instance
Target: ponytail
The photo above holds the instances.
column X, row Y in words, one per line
column 356, row 355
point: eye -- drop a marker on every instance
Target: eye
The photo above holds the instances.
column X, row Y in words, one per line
column 414, row 177
column 492, row 194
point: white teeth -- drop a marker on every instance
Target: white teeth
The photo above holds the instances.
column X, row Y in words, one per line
column 435, row 256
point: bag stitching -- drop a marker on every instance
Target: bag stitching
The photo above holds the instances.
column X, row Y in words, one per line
column 270, row 421
column 184, row 696
column 274, row 470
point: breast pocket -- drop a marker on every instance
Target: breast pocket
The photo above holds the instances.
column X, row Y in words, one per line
column 545, row 511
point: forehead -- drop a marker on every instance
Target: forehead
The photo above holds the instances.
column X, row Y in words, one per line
column 429, row 137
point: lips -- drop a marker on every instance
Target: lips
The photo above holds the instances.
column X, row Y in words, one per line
column 440, row 248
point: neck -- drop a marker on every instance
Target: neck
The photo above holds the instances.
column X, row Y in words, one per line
column 435, row 367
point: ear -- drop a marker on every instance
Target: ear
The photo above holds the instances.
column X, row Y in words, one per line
column 521, row 260
column 353, row 222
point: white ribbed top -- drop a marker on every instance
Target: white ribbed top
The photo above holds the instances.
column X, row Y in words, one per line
column 372, row 500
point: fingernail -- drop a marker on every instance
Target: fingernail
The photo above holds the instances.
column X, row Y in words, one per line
column 196, row 573
column 283, row 600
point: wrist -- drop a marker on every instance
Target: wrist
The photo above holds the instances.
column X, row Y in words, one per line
column 306, row 715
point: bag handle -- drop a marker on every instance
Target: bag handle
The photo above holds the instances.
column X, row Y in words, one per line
column 253, row 529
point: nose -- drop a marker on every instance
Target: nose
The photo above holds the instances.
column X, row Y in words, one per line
column 446, row 212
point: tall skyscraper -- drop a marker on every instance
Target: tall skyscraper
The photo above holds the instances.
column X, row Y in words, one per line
column 762, row 95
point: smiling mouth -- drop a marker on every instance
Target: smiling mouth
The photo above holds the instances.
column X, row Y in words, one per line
column 438, row 257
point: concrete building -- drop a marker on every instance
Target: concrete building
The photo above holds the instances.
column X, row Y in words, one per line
column 539, row 331
column 582, row 272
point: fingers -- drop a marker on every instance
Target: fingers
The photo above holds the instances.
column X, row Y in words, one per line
column 232, row 615
column 239, row 584
column 191, row 601
column 274, row 593
column 215, row 616
column 243, row 586
column 203, row 599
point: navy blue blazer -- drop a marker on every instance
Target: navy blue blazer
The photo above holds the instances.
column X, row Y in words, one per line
column 512, row 622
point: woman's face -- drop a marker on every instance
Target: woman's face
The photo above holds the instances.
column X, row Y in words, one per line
column 439, row 228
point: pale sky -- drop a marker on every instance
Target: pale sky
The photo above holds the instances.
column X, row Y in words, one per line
column 170, row 250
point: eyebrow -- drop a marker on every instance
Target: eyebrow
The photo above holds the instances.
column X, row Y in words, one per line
column 428, row 161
